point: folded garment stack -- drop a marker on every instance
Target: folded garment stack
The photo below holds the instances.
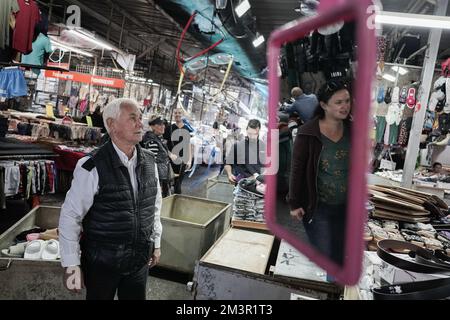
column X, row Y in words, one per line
column 248, row 203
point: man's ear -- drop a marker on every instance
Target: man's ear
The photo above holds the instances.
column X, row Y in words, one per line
column 110, row 121
column 323, row 105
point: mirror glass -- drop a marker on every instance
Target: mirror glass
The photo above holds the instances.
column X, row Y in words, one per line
column 314, row 120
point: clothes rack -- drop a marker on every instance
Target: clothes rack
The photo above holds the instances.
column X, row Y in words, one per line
column 31, row 66
column 28, row 156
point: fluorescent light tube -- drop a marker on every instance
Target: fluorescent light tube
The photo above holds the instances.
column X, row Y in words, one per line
column 91, row 39
column 389, row 77
column 258, row 41
column 400, row 70
column 69, row 48
column 413, row 20
column 242, row 8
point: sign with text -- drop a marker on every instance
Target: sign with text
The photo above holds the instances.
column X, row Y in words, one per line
column 86, row 78
column 58, row 65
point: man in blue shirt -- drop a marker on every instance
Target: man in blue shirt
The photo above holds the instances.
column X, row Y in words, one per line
column 304, row 104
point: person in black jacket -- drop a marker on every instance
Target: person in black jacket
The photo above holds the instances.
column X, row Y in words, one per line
column 319, row 171
column 154, row 142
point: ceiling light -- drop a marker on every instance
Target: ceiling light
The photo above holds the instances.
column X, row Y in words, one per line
column 242, row 8
column 65, row 47
column 258, row 41
column 389, row 77
column 91, row 38
column 413, row 20
column 400, row 70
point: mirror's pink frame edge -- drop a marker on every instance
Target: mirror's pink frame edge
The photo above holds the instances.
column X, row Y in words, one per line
column 349, row 273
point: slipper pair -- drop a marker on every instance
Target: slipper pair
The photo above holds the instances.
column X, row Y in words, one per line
column 40, row 249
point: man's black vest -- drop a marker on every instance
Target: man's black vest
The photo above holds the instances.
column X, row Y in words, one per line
column 117, row 228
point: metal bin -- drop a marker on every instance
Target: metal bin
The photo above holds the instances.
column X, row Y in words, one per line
column 190, row 227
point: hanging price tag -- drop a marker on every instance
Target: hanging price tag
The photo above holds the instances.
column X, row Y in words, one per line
column 89, row 121
column 49, row 111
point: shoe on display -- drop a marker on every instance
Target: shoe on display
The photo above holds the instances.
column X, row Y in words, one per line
column 411, row 100
column 380, row 96
column 34, row 249
column 50, row 250
column 395, row 95
column 15, row 251
column 403, row 95
column 388, row 96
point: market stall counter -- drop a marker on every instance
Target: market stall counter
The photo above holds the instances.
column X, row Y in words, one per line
column 250, row 265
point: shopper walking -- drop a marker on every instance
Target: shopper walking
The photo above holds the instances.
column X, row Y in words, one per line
column 319, row 172
column 179, row 143
column 154, row 142
column 115, row 199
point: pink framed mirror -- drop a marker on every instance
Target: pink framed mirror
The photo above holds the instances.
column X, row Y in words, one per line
column 316, row 200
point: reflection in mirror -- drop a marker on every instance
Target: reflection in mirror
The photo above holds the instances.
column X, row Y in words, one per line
column 314, row 122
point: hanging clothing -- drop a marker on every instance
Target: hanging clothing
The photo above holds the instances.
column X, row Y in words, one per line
column 6, row 8
column 26, row 19
column 405, row 127
column 27, row 178
column 12, row 83
column 381, row 127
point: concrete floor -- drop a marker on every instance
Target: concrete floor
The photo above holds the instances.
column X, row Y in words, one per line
column 162, row 289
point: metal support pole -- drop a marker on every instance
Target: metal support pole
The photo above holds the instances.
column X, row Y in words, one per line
column 109, row 25
column 424, row 93
column 121, row 32
column 50, row 10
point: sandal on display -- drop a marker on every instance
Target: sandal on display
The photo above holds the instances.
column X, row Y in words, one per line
column 15, row 251
column 403, row 95
column 411, row 100
column 395, row 95
column 34, row 249
column 51, row 250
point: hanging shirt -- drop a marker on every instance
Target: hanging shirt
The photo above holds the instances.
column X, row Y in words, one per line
column 41, row 46
column 26, row 19
column 6, row 8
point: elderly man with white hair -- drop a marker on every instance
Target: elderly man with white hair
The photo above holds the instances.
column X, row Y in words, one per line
column 112, row 213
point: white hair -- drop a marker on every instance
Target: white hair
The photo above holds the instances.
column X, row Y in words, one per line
column 112, row 109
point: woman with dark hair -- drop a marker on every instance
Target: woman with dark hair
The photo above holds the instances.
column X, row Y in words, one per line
column 319, row 171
